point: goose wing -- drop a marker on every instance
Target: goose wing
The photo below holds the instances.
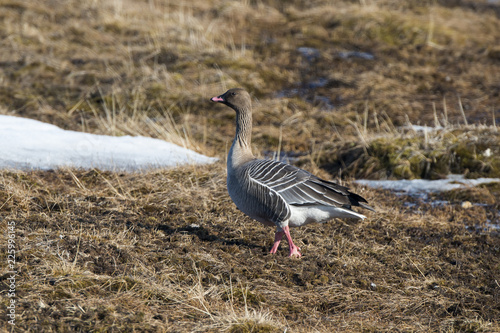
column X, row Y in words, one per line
column 299, row 187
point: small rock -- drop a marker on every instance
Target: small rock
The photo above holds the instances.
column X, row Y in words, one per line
column 466, row 205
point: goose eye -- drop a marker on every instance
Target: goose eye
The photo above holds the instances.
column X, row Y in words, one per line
column 233, row 94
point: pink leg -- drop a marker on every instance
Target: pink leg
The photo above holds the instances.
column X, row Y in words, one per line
column 294, row 249
column 277, row 239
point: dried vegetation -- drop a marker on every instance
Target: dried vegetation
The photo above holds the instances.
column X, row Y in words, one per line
column 339, row 86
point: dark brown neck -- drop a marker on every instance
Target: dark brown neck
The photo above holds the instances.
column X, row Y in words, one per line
column 243, row 128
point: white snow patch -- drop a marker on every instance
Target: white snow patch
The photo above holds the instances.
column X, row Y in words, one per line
column 424, row 186
column 31, row 144
column 421, row 188
column 420, row 128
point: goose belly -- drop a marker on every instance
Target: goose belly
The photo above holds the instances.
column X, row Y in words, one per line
column 302, row 215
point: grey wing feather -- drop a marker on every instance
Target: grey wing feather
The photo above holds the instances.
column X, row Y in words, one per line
column 299, row 187
column 263, row 177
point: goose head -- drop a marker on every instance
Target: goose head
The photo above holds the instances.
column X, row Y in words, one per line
column 236, row 98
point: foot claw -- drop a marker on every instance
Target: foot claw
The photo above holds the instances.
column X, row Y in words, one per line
column 295, row 252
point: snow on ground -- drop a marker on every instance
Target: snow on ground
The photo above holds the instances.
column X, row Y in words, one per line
column 420, row 187
column 419, row 128
column 30, row 144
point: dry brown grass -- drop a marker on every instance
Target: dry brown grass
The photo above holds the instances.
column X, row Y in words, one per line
column 167, row 250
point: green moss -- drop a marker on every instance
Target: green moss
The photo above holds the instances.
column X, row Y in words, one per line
column 409, row 158
column 396, row 32
column 463, row 151
column 403, row 171
column 468, row 160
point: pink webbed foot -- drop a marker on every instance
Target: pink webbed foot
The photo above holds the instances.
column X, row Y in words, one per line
column 277, row 239
column 294, row 249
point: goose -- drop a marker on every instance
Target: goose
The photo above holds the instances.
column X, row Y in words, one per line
column 275, row 193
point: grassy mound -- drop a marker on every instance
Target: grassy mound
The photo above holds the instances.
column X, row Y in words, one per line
column 408, row 154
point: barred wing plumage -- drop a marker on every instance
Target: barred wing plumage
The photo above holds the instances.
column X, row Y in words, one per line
column 299, row 187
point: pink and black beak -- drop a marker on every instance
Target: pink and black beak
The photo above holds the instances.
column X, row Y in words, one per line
column 219, row 99
column 227, row 98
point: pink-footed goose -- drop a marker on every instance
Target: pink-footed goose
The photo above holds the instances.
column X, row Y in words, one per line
column 275, row 193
